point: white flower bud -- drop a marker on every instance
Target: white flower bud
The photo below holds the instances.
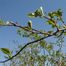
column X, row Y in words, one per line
column 7, row 22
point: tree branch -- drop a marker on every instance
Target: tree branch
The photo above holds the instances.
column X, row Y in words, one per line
column 25, row 28
column 31, row 43
column 33, row 31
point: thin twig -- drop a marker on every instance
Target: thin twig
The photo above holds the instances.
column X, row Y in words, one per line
column 25, row 28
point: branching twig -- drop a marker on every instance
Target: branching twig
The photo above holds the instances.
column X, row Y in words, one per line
column 25, row 28
column 29, row 44
column 33, row 31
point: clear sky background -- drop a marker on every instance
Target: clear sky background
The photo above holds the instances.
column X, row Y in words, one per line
column 17, row 10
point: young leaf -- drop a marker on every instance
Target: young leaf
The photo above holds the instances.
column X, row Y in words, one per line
column 1, row 22
column 43, row 44
column 59, row 13
column 6, row 51
column 50, row 22
column 57, row 53
column 51, row 14
column 31, row 15
column 49, row 47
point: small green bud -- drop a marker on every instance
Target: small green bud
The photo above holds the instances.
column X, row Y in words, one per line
column 30, row 23
column 39, row 12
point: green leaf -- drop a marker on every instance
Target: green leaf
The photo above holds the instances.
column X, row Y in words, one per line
column 58, row 53
column 19, row 32
column 49, row 47
column 1, row 22
column 51, row 14
column 50, row 22
column 43, row 44
column 55, row 14
column 6, row 51
column 36, row 36
column 31, row 15
column 59, row 13
column 25, row 34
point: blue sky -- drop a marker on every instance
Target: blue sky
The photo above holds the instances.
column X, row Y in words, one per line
column 17, row 10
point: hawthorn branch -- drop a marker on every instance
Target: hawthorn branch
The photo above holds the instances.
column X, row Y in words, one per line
column 25, row 28
column 33, row 31
column 24, row 47
column 31, row 43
